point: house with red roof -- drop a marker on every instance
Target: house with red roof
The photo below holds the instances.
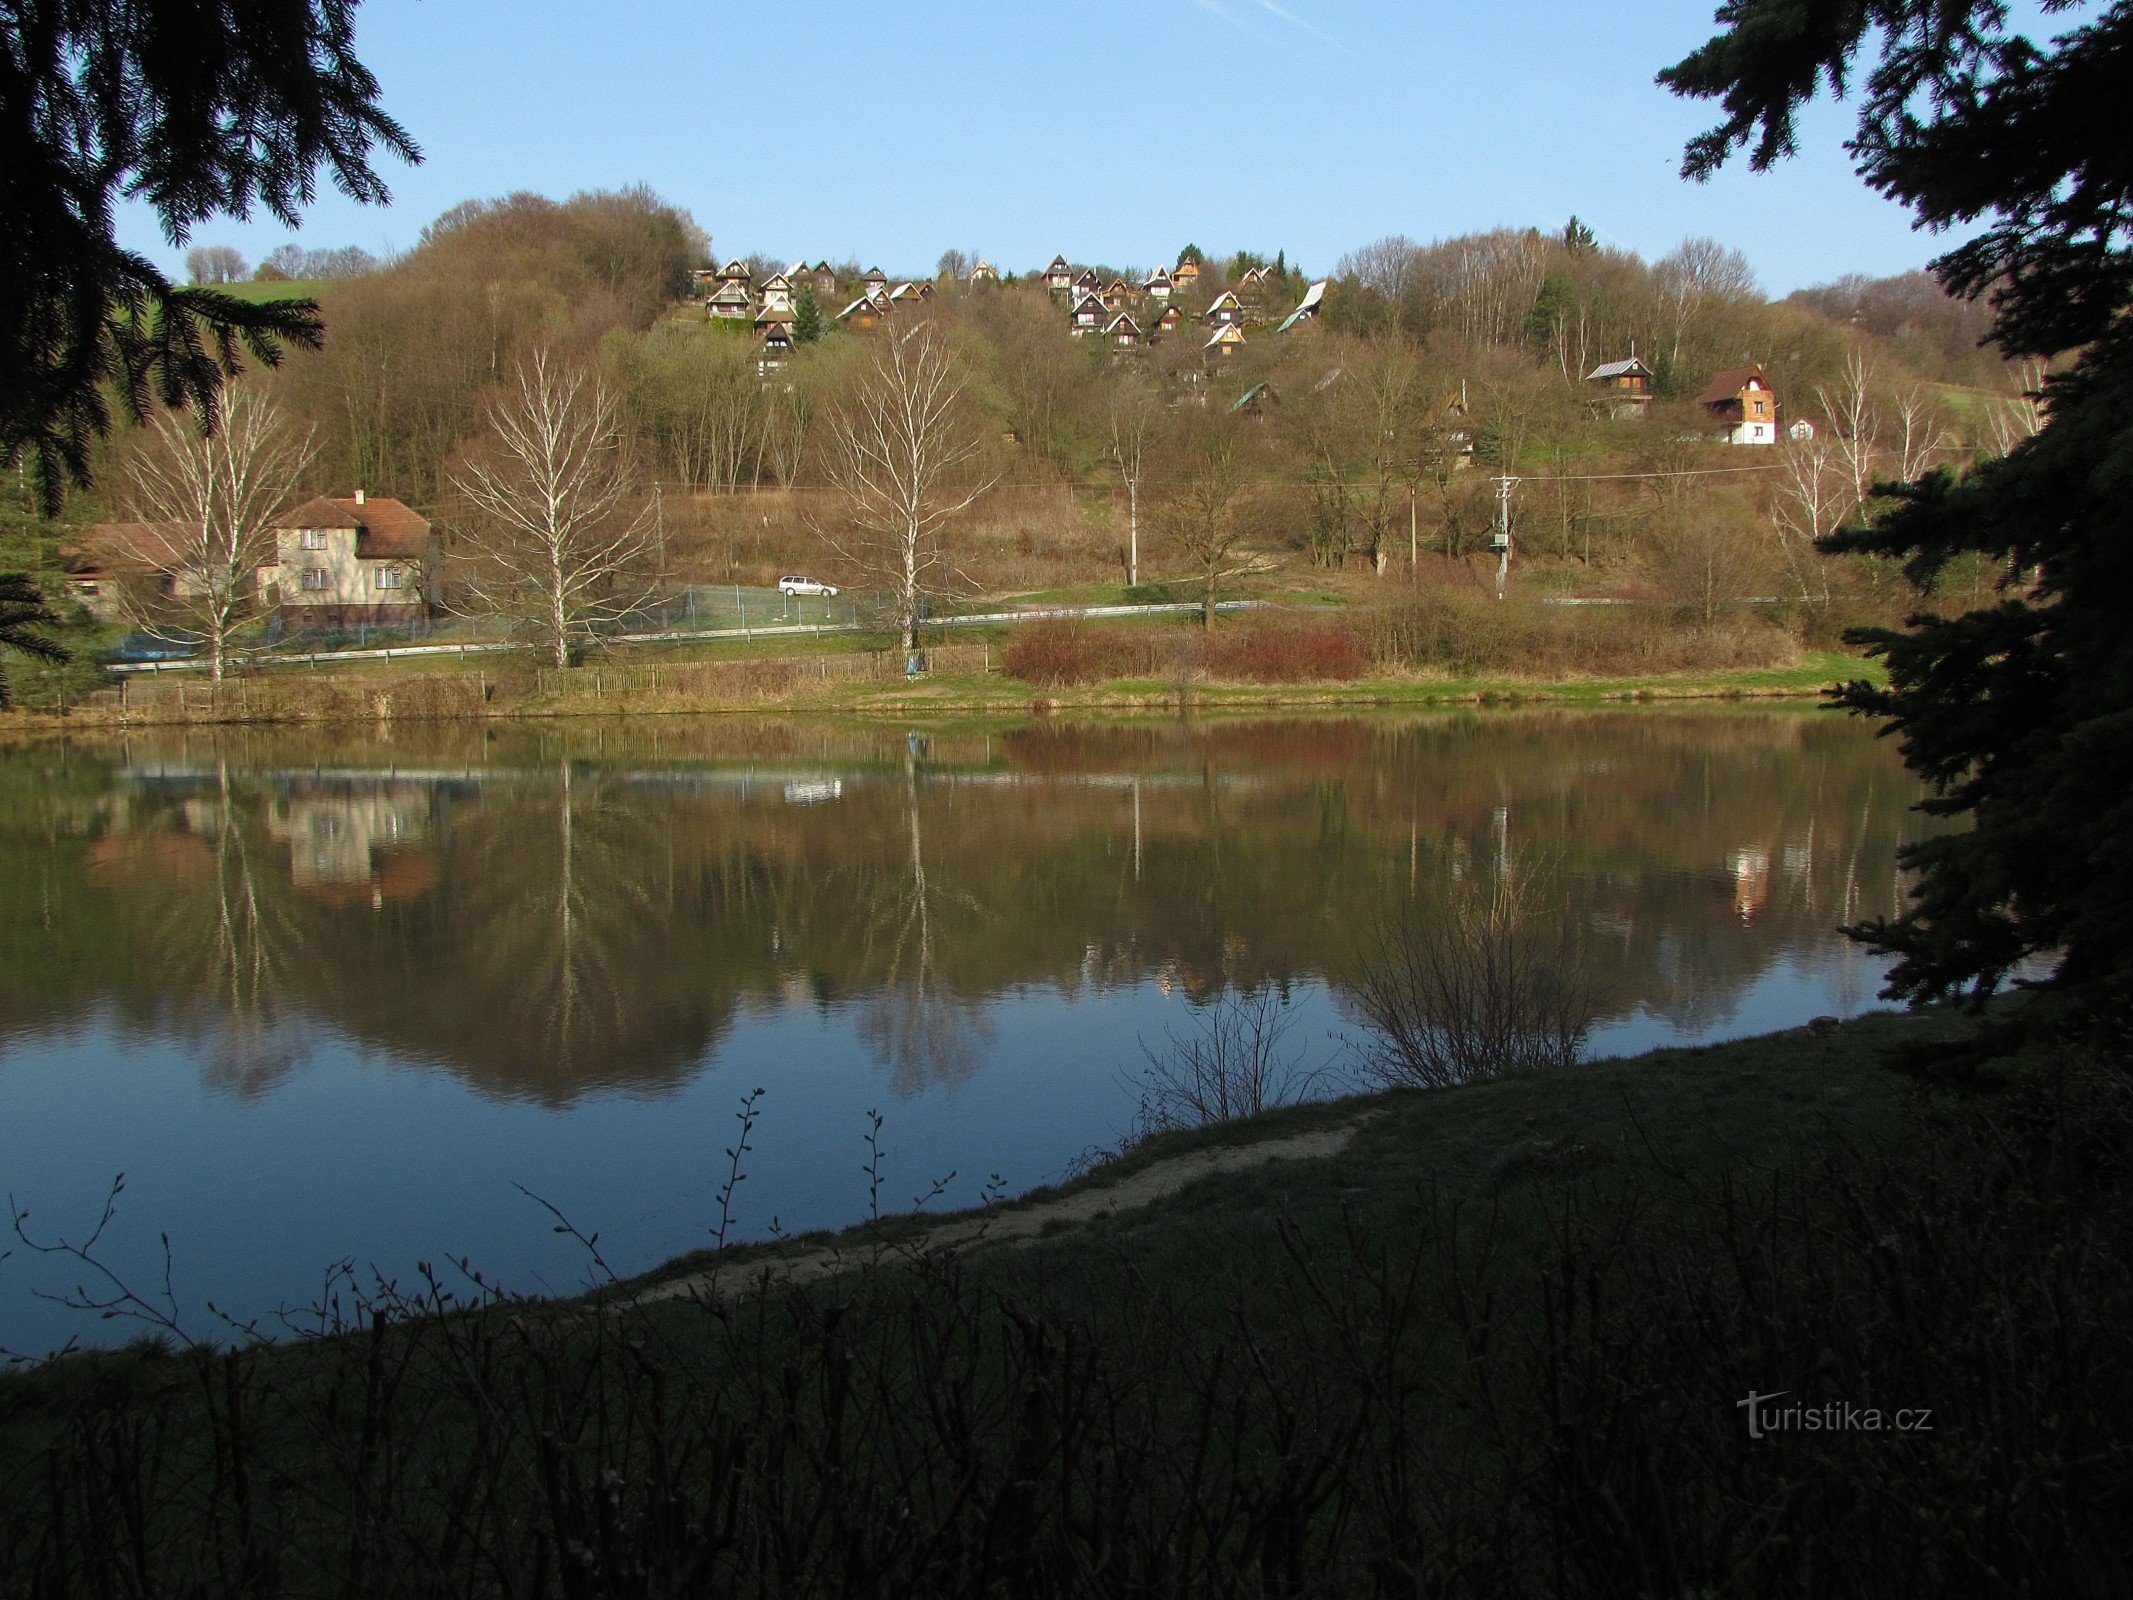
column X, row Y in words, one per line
column 342, row 561
column 1740, row 402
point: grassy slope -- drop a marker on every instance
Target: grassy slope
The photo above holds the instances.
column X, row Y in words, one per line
column 1723, row 1109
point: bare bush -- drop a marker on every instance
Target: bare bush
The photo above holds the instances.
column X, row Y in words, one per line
column 1493, row 981
column 1234, row 1061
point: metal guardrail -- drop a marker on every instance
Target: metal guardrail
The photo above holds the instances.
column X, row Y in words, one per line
column 987, row 619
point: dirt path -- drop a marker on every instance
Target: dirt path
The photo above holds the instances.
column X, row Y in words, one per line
column 1157, row 1181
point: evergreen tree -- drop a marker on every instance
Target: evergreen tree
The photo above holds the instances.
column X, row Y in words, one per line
column 1577, row 238
column 2020, row 713
column 23, row 610
column 806, row 318
column 199, row 109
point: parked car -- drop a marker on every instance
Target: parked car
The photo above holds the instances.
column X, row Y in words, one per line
column 796, row 586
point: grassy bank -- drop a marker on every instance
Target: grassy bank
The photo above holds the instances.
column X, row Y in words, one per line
column 815, row 675
column 1497, row 1345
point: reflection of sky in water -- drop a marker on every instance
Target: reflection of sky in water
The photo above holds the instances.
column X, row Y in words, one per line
column 406, row 1066
column 365, row 1157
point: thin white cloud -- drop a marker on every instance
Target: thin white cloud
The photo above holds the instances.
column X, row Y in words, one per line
column 1215, row 8
column 1293, row 20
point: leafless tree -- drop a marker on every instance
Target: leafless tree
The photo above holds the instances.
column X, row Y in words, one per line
column 905, row 458
column 1811, row 497
column 214, row 263
column 207, row 506
column 1921, row 434
column 1232, row 1062
column 561, row 535
column 1207, row 512
column 1133, row 415
column 1857, row 425
column 1491, row 981
column 955, row 265
column 1700, row 276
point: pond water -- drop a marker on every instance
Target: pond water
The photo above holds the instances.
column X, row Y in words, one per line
column 359, row 997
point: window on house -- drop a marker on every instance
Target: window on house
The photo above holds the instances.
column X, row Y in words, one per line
column 314, row 538
column 313, row 578
column 388, row 578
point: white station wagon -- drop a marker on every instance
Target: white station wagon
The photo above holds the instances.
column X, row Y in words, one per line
column 795, row 586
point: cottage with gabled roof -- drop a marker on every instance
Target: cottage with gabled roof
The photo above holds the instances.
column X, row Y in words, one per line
column 1088, row 282
column 824, row 277
column 1226, row 311
column 1624, row 388
column 1225, row 342
column 1739, row 400
column 1088, row 316
column 731, row 301
column 1059, row 277
column 777, row 294
column 777, row 347
column 984, row 272
column 864, row 314
column 1314, row 299
column 1166, row 321
column 1122, row 332
column 1159, row 284
column 1186, row 275
column 876, row 281
column 1118, row 294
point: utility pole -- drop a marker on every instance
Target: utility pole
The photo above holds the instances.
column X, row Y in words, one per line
column 1502, row 540
column 1414, row 540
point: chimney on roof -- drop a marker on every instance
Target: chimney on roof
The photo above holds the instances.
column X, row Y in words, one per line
column 359, row 497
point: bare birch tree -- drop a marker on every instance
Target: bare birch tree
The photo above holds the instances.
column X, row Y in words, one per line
column 1132, row 419
column 562, row 536
column 1920, row 433
column 207, row 505
column 905, row 457
column 1811, row 498
column 1850, row 409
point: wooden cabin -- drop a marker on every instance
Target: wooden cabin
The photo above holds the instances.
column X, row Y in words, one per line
column 875, row 282
column 777, row 294
column 731, row 300
column 1622, row 388
column 1159, row 285
column 865, row 314
column 777, row 348
column 1122, row 332
column 824, row 278
column 1118, row 294
column 1166, row 321
column 1740, row 403
column 1224, row 343
column 1186, row 276
column 1059, row 277
column 983, row 273
column 1227, row 311
column 1088, row 316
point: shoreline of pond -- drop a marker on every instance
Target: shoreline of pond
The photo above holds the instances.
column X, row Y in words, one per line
column 351, row 696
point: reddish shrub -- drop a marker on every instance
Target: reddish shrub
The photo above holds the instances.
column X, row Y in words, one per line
column 1054, row 653
column 1286, row 653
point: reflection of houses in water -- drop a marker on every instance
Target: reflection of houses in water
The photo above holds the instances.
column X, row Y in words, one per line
column 353, row 844
column 1751, row 882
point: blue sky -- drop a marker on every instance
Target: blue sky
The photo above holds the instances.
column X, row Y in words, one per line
column 1117, row 133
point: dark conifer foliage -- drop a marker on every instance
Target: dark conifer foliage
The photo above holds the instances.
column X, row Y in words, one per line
column 201, row 108
column 2020, row 714
column 22, row 612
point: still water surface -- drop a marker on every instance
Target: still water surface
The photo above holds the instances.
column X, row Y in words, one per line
column 330, row 998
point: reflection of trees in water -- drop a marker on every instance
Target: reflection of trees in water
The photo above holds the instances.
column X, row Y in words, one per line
column 919, row 1027
column 558, row 915
column 229, row 940
column 559, row 880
